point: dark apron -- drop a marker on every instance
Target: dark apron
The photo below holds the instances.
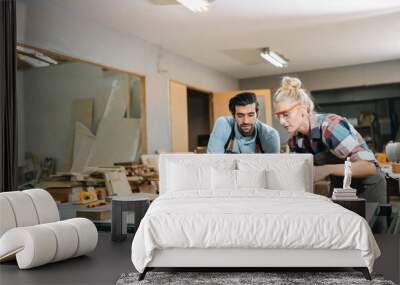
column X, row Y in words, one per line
column 228, row 148
column 371, row 188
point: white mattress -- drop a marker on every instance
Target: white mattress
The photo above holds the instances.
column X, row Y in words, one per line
column 256, row 218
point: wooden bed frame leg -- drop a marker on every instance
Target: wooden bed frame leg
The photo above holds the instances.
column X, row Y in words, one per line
column 143, row 274
column 365, row 272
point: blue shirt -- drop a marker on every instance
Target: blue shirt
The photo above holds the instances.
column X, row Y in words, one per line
column 269, row 137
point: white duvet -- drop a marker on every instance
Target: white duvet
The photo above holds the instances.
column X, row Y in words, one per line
column 250, row 219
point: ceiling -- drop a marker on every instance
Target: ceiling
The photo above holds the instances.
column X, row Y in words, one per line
column 312, row 34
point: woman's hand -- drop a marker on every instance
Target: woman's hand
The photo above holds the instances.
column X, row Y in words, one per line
column 321, row 172
column 359, row 169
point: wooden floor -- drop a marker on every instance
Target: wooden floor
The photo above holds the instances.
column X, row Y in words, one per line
column 389, row 262
column 103, row 266
column 111, row 259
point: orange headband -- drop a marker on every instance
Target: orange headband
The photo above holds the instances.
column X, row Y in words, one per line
column 288, row 109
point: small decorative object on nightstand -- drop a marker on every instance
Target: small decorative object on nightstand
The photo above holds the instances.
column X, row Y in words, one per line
column 347, row 196
column 357, row 205
column 345, row 193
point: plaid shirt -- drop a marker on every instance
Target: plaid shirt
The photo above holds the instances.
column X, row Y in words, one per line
column 330, row 132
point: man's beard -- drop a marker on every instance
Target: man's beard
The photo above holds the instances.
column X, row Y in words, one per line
column 247, row 133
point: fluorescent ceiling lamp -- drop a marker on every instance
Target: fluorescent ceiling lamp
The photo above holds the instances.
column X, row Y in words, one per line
column 46, row 58
column 33, row 61
column 36, row 54
column 274, row 58
column 25, row 50
column 195, row 5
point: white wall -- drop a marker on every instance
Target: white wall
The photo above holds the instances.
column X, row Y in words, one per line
column 334, row 78
column 48, row 26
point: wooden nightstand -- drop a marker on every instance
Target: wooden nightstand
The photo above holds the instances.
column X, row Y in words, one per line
column 356, row 205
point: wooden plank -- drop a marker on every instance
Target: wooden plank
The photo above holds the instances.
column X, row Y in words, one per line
column 143, row 121
column 83, row 143
column 117, row 183
column 95, row 214
column 68, row 194
column 58, row 184
column 179, row 117
column 117, row 102
column 82, row 112
column 116, row 140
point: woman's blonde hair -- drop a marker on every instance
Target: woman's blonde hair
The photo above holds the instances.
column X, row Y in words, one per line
column 291, row 89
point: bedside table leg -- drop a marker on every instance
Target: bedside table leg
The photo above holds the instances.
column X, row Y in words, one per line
column 117, row 222
column 140, row 210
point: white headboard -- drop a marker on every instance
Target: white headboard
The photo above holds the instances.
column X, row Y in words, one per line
column 271, row 160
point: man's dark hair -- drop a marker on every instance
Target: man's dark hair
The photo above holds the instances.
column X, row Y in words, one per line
column 242, row 99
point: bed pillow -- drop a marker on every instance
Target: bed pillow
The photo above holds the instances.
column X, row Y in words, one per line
column 283, row 174
column 251, row 178
column 182, row 177
column 223, row 179
column 290, row 180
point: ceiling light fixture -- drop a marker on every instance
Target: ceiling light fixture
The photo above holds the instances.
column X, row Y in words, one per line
column 274, row 58
column 33, row 61
column 35, row 54
column 196, row 6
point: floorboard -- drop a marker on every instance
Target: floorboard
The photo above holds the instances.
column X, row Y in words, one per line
column 103, row 266
column 111, row 259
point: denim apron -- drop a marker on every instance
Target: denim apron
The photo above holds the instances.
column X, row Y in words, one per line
column 371, row 188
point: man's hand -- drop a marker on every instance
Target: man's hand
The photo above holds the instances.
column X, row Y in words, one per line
column 321, row 172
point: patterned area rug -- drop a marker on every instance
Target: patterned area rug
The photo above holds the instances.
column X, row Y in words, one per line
column 228, row 278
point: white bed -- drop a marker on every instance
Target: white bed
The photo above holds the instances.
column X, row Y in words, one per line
column 247, row 211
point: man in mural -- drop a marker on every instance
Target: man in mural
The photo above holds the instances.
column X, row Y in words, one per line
column 243, row 132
